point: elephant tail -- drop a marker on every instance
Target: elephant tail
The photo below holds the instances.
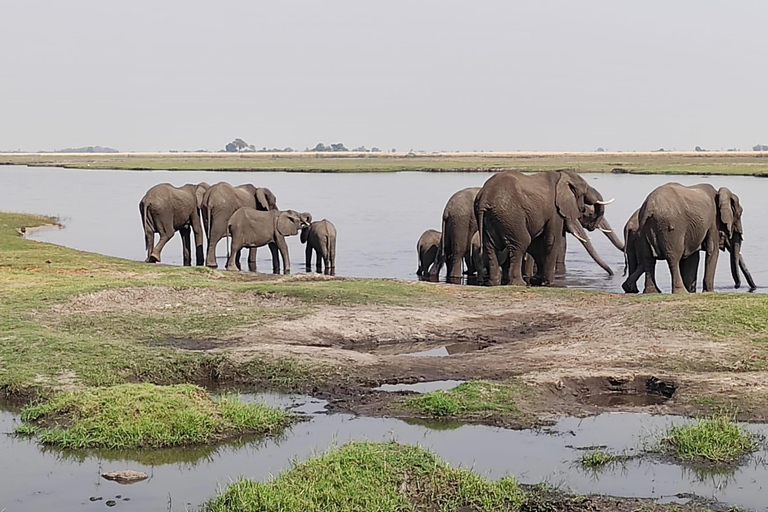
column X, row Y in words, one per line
column 480, row 216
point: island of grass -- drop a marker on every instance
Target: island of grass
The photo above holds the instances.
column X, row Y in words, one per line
column 372, row 476
column 131, row 416
column 478, row 400
column 714, row 440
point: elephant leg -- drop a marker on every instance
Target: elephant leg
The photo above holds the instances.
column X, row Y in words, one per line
column 529, row 265
column 186, row 246
column 710, row 263
column 252, row 259
column 326, row 262
column 218, row 230
column 275, row 258
column 677, row 279
column 689, row 267
column 237, row 258
column 650, row 277
column 233, row 262
column 197, row 229
column 506, row 273
column 282, row 246
column 332, row 257
column 149, row 241
column 165, row 236
column 308, row 258
column 560, row 262
column 320, row 254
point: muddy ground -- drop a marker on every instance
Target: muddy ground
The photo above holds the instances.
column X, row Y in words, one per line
column 579, row 354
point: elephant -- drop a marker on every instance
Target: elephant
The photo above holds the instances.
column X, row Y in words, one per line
column 459, row 226
column 320, row 236
column 531, row 213
column 427, row 248
column 253, row 228
column 219, row 204
column 166, row 209
column 677, row 222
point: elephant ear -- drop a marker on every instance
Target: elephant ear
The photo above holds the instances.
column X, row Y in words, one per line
column 288, row 223
column 725, row 210
column 265, row 199
column 200, row 191
column 304, row 235
column 565, row 198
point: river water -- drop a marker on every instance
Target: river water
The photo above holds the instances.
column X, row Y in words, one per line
column 33, row 478
column 379, row 216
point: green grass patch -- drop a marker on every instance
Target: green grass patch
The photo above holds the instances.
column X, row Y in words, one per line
column 717, row 439
column 363, row 476
column 596, row 459
column 145, row 416
column 474, row 399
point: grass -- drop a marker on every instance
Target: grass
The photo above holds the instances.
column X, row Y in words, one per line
column 145, row 416
column 474, row 399
column 40, row 349
column 363, row 476
column 595, row 459
column 724, row 163
column 717, row 439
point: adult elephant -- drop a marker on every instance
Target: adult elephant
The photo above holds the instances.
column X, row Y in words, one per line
column 459, row 226
column 166, row 209
column 677, row 222
column 530, row 213
column 220, row 202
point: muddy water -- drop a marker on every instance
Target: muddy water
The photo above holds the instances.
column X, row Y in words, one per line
column 379, row 216
column 32, row 478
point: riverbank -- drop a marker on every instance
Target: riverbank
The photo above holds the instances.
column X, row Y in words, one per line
column 706, row 163
column 96, row 321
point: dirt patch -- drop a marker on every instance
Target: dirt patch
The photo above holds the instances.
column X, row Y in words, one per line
column 164, row 299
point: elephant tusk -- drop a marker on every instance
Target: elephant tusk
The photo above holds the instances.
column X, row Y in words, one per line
column 606, row 230
column 605, row 202
column 582, row 240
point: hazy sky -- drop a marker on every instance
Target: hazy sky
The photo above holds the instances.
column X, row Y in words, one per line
column 499, row 75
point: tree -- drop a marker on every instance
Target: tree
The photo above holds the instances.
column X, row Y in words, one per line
column 374, row 149
column 236, row 145
column 338, row 147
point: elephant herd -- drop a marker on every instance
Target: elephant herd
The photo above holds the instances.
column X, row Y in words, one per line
column 247, row 214
column 512, row 230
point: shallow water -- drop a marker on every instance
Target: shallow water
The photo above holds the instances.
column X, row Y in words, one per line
column 379, row 217
column 35, row 479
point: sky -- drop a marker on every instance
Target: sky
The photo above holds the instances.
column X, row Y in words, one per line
column 441, row 75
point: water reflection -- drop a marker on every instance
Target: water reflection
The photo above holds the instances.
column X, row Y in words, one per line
column 379, row 217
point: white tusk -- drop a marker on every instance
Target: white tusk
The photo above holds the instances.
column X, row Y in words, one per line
column 580, row 239
column 605, row 202
column 606, row 230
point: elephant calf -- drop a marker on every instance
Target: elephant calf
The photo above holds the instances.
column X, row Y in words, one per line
column 253, row 228
column 427, row 248
column 320, row 236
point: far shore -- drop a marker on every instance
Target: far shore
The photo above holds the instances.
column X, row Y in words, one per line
column 736, row 163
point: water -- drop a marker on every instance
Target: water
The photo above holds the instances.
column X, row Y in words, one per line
column 32, row 478
column 422, row 387
column 379, row 217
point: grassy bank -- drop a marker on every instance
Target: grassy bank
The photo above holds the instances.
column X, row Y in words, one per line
column 725, row 163
column 145, row 416
column 372, row 476
column 716, row 440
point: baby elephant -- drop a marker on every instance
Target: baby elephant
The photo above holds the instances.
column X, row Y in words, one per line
column 254, row 228
column 427, row 248
column 321, row 236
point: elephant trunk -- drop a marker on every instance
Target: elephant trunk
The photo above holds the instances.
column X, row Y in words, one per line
column 735, row 251
column 575, row 228
column 610, row 233
column 747, row 275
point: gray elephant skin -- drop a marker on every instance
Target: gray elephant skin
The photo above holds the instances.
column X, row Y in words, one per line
column 677, row 222
column 522, row 213
column 320, row 237
column 166, row 209
column 220, row 202
column 426, row 249
column 254, row 228
column 459, row 226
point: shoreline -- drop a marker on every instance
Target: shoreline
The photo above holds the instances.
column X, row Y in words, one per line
column 693, row 163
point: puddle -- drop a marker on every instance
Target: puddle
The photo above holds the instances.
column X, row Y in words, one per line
column 449, row 350
column 625, row 399
column 421, row 387
column 639, row 391
column 32, row 478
